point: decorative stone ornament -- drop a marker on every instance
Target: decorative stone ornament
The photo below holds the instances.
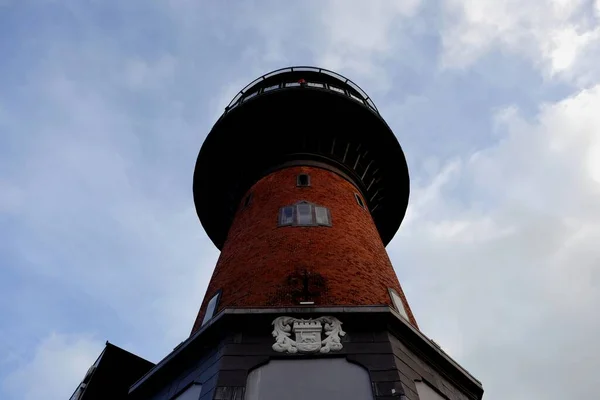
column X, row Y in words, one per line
column 307, row 335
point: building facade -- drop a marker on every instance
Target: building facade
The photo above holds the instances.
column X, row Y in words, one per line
column 301, row 184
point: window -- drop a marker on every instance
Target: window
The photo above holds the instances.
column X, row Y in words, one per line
column 426, row 392
column 251, row 95
column 317, row 85
column 303, row 180
column 192, row 392
column 322, row 215
column 269, row 88
column 211, row 307
column 359, row 200
column 356, row 98
column 287, row 216
column 321, row 379
column 304, row 214
column 247, row 200
column 398, row 303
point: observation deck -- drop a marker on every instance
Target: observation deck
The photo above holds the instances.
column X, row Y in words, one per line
column 300, row 116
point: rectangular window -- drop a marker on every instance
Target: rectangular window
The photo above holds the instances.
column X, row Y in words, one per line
column 425, row 392
column 313, row 84
column 322, row 216
column 398, row 303
column 303, row 180
column 191, row 393
column 210, row 308
column 251, row 95
column 292, row 84
column 269, row 88
column 287, row 216
column 356, row 98
column 304, row 214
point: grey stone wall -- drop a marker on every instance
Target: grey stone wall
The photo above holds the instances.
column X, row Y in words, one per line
column 390, row 362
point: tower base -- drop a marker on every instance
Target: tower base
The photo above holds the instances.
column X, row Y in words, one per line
column 317, row 353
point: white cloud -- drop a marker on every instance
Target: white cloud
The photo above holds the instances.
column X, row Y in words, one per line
column 59, row 363
column 140, row 73
column 555, row 35
column 357, row 35
column 503, row 249
column 349, row 36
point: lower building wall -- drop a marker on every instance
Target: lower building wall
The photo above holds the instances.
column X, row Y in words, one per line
column 413, row 368
column 372, row 364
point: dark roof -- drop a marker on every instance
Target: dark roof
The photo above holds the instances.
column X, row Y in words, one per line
column 111, row 375
column 276, row 120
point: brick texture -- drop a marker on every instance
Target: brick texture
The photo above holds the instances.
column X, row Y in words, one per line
column 263, row 265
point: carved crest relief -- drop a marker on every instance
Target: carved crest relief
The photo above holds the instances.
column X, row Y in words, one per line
column 307, row 335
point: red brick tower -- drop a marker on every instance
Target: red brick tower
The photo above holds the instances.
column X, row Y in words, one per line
column 300, row 199
column 334, row 258
column 301, row 184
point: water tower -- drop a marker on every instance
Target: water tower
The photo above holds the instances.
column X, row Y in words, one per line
column 301, row 184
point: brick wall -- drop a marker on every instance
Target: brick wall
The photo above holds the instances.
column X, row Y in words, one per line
column 263, row 265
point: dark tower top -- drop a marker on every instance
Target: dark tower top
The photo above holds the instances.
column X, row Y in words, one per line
column 300, row 116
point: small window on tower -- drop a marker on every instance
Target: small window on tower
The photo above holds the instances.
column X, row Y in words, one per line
column 248, row 200
column 303, row 180
column 359, row 200
column 322, row 216
column 211, row 308
column 286, row 216
column 398, row 303
column 304, row 212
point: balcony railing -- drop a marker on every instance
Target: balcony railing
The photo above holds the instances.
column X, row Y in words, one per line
column 254, row 88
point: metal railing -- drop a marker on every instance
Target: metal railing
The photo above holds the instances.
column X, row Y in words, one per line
column 247, row 92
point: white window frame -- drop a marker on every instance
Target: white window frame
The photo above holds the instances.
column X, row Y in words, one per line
column 283, row 220
column 211, row 308
column 398, row 303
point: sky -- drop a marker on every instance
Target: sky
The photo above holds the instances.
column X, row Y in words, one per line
column 104, row 105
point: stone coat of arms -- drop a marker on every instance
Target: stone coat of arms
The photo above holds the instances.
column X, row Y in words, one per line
column 307, row 335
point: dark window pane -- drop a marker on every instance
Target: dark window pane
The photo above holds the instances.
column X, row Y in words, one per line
column 191, row 393
column 359, row 200
column 303, row 180
column 287, row 216
column 247, row 200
